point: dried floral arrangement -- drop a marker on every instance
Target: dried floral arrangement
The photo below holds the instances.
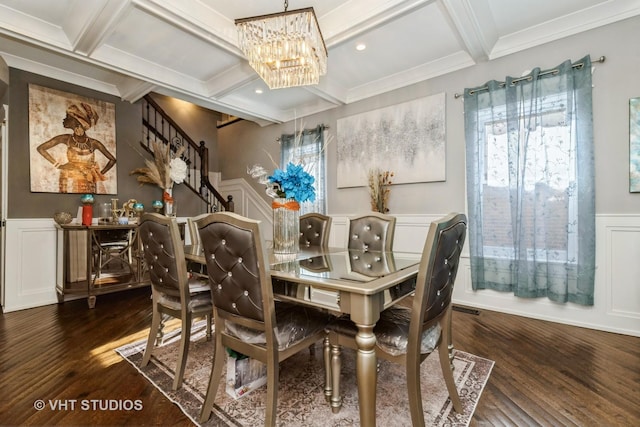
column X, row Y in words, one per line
column 379, row 182
column 164, row 170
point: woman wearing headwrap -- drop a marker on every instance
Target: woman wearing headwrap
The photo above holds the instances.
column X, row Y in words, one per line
column 81, row 172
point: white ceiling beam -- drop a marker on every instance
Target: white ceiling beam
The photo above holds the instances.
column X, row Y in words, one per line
column 246, row 111
column 563, row 26
column 31, row 29
column 91, row 23
column 355, row 17
column 132, row 90
column 223, row 84
column 194, row 17
column 448, row 64
column 36, row 67
column 473, row 25
column 330, row 91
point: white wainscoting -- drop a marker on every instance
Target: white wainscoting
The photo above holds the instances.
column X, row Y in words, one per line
column 248, row 203
column 617, row 287
column 30, row 264
column 30, row 272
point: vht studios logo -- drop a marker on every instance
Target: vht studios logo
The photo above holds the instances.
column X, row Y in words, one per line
column 89, row 405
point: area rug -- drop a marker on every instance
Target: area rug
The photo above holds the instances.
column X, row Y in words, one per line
column 301, row 400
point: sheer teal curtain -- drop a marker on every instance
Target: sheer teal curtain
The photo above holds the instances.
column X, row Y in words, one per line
column 307, row 148
column 531, row 184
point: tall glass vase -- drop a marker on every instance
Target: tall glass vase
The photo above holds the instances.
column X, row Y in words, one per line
column 169, row 202
column 286, row 226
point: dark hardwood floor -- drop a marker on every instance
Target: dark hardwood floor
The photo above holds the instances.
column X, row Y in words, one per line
column 545, row 373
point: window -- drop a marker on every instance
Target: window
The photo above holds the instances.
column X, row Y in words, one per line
column 530, row 184
column 307, row 148
column 548, row 160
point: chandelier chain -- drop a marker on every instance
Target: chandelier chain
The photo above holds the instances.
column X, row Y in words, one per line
column 286, row 5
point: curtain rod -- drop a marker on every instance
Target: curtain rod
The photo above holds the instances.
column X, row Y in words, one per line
column 303, row 131
column 553, row 71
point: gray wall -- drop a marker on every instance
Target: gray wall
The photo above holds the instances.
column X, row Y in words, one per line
column 22, row 203
column 615, row 82
column 244, row 143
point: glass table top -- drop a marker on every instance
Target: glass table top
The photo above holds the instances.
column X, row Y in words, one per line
column 351, row 265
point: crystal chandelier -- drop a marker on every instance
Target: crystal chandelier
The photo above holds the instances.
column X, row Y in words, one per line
column 286, row 49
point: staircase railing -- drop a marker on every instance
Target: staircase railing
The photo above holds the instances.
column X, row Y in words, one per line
column 157, row 126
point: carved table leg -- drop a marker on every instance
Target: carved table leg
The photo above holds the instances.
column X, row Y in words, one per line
column 328, row 386
column 366, row 373
column 336, row 366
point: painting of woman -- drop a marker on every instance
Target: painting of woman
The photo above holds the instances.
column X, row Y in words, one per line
column 85, row 163
column 80, row 172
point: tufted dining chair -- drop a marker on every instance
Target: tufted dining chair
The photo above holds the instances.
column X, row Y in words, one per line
column 408, row 335
column 247, row 318
column 196, row 269
column 173, row 293
column 371, row 232
column 194, row 236
column 314, row 230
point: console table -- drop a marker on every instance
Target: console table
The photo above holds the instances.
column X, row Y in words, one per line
column 98, row 259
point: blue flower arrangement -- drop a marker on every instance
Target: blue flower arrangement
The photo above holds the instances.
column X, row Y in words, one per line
column 294, row 183
column 291, row 183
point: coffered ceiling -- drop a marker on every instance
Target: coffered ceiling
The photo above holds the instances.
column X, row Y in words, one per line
column 188, row 48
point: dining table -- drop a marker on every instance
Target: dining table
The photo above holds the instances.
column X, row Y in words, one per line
column 357, row 283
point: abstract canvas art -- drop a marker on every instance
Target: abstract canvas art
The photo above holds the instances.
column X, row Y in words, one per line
column 72, row 143
column 634, row 145
column 407, row 139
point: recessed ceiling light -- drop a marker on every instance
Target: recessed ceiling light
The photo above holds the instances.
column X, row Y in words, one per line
column 361, row 46
column 258, row 91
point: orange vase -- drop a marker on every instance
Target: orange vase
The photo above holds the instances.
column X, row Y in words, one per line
column 87, row 214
